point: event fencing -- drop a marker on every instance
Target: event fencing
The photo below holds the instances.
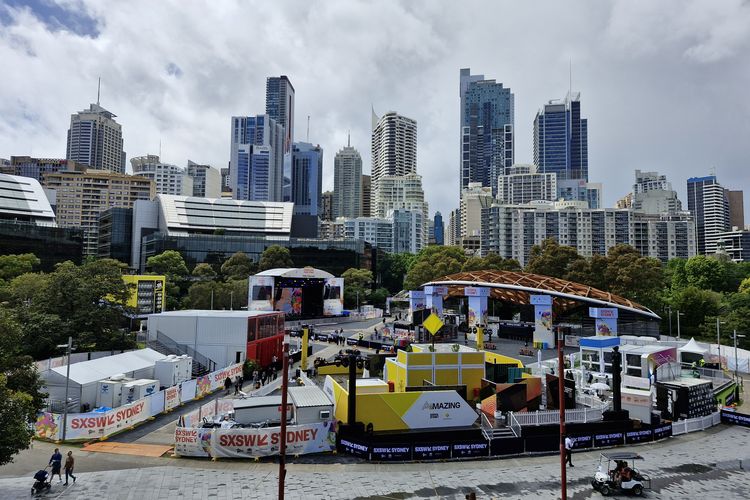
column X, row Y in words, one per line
column 695, row 424
column 580, row 415
column 100, row 424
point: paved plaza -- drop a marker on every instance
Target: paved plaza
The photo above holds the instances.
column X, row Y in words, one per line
column 710, row 464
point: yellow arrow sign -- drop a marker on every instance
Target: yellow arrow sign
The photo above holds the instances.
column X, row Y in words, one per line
column 433, row 323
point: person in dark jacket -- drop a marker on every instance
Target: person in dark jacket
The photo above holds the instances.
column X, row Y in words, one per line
column 56, row 462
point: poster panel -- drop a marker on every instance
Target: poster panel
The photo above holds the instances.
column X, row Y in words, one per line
column 360, row 450
column 431, row 451
column 333, row 297
column 217, row 378
column 249, row 443
column 260, row 293
column 192, row 442
column 470, row 449
column 439, row 409
column 609, row 439
column 48, row 426
column 171, row 397
column 388, row 452
column 639, row 436
column 188, row 390
column 95, row 424
column 543, row 325
column 477, row 310
column 156, row 403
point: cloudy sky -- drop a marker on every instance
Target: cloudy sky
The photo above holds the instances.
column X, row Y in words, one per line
column 665, row 85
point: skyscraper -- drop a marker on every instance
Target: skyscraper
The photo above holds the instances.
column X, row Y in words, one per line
column 708, row 202
column 439, row 229
column 256, row 158
column 736, row 209
column 487, row 144
column 95, row 140
column 561, row 139
column 347, row 183
column 207, row 181
column 394, row 148
column 169, row 179
column 366, row 196
column 307, row 178
column 326, row 210
column 280, row 107
column 653, row 194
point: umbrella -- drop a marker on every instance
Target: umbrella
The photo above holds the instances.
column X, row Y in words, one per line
column 598, row 386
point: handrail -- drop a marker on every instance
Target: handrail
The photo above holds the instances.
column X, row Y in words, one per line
column 167, row 341
column 581, row 415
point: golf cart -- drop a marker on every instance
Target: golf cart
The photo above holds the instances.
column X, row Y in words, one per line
column 618, row 476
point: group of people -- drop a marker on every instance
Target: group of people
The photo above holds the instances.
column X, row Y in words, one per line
column 338, row 337
column 56, row 463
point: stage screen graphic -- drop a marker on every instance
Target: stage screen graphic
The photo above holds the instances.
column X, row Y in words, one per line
column 290, row 301
column 333, row 297
column 260, row 295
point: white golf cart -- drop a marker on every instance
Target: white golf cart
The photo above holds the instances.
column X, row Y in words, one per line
column 619, row 474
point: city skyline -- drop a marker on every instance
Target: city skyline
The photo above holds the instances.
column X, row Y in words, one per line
column 184, row 98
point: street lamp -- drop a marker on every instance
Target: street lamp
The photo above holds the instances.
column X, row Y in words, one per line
column 718, row 337
column 735, row 335
column 669, row 309
column 231, row 300
column 68, row 348
column 678, row 323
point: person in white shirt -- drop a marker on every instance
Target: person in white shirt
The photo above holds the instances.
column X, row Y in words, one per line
column 569, row 450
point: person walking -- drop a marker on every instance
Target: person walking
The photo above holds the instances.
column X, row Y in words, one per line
column 236, row 386
column 69, row 466
column 263, row 378
column 569, row 450
column 56, row 462
column 227, row 384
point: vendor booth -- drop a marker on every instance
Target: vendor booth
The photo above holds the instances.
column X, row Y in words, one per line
column 691, row 352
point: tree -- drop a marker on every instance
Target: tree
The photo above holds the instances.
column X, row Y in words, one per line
column 696, row 305
column 14, row 408
column 634, row 277
column 392, row 269
column 491, row 262
column 12, row 266
column 203, row 272
column 705, row 272
column 552, row 259
column 434, row 262
column 357, row 286
column 238, row 266
column 275, row 257
column 745, row 286
column 378, row 297
column 199, row 295
column 170, row 264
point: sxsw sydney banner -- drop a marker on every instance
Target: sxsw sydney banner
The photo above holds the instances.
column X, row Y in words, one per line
column 250, row 443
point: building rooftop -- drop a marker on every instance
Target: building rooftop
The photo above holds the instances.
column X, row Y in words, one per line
column 206, row 313
column 24, row 198
column 94, row 370
column 309, row 396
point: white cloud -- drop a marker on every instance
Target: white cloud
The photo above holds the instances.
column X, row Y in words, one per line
column 663, row 83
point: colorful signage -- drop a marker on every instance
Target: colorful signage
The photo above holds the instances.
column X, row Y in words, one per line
column 260, row 293
column 333, row 297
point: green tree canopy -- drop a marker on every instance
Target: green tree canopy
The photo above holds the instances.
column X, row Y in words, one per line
column 203, row 272
column 170, row 264
column 694, row 305
column 12, row 266
column 275, row 257
column 490, row 262
column 552, row 259
column 706, row 273
column 238, row 266
column 432, row 262
column 357, row 286
column 392, row 269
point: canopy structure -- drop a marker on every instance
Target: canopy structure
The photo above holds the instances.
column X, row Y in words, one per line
column 294, row 272
column 515, row 287
column 693, row 347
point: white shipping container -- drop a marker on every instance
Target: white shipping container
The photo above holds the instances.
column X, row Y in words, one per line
column 173, row 370
column 109, row 392
column 137, row 389
column 260, row 409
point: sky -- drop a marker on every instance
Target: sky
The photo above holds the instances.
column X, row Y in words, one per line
column 665, row 85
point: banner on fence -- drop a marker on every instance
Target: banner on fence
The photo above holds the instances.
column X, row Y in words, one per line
column 156, row 403
column 391, row 452
column 662, row 431
column 96, row 424
column 639, row 436
column 476, row 449
column 431, row 451
column 48, row 426
column 218, row 377
column 190, row 419
column 171, row 397
column 249, row 443
column 732, row 417
column 188, row 390
column 360, row 450
column 609, row 439
column 192, row 442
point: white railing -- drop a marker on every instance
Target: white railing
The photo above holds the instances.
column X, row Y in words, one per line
column 581, row 415
column 514, row 425
column 695, row 424
column 591, row 401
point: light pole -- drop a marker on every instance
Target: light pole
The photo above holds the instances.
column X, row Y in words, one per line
column 735, row 335
column 68, row 347
column 718, row 337
column 212, row 299
column 231, row 300
column 678, row 323
column 357, row 300
column 669, row 309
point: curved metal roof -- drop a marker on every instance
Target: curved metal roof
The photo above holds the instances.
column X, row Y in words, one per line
column 296, row 272
column 515, row 287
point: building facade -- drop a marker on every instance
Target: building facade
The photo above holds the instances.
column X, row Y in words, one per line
column 708, row 202
column 394, row 149
column 487, row 136
column 580, row 190
column 95, row 140
column 347, row 183
column 81, row 196
column 280, row 107
column 736, row 244
column 653, row 194
column 438, row 228
column 366, row 204
column 307, row 178
column 473, row 199
column 524, row 184
column 35, row 168
column 736, row 209
column 561, row 139
column 510, row 231
column 169, row 179
column 403, row 193
column 256, row 158
column 453, row 234
column 207, row 181
column 326, row 203
column 115, row 234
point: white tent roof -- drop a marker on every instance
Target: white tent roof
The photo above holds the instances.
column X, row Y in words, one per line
column 93, row 370
column 296, row 272
column 693, row 347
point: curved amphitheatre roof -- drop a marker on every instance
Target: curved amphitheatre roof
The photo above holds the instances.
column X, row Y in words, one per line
column 515, row 287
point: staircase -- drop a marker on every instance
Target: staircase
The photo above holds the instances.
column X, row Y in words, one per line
column 492, row 430
column 165, row 345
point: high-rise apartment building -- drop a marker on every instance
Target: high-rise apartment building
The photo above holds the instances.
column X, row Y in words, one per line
column 523, row 184
column 653, row 194
column 95, row 140
column 473, row 199
column 366, row 195
column 256, row 158
column 226, row 186
column 438, row 229
column 453, row 234
column 35, row 168
column 580, row 190
column 169, row 179
column 402, row 231
column 82, row 195
column 394, row 149
column 511, row 231
column 307, row 178
column 207, row 181
column 561, row 139
column 347, row 183
column 736, row 209
column 280, row 107
column 708, row 202
column 326, row 202
column 487, row 142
